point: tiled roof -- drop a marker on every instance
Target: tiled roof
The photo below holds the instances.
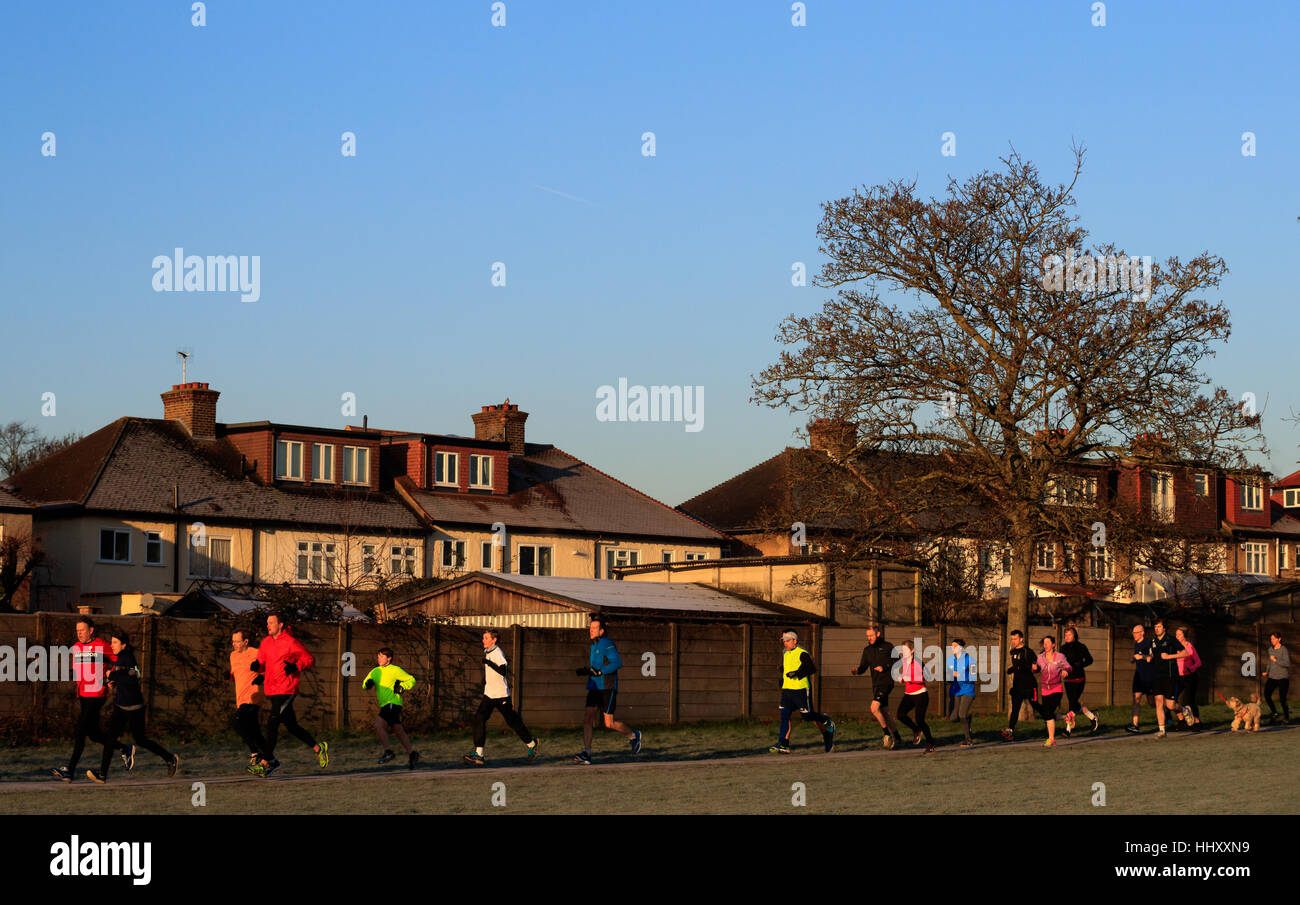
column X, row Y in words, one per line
column 132, row 466
column 9, row 501
column 553, row 491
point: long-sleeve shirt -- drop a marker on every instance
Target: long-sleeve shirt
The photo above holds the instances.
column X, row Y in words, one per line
column 913, row 676
column 879, row 653
column 1165, row 644
column 1278, row 664
column 1021, row 669
column 1079, row 658
column 495, row 671
column 964, row 675
column 1053, row 670
column 89, row 665
column 125, row 679
column 383, row 678
column 241, row 673
column 273, row 653
column 604, row 659
column 1191, row 663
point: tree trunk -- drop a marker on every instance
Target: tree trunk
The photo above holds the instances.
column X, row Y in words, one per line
column 1018, row 594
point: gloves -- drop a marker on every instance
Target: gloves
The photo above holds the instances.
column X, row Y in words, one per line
column 368, row 683
column 259, row 680
column 290, row 668
column 588, row 671
column 792, row 675
column 397, row 688
column 256, row 666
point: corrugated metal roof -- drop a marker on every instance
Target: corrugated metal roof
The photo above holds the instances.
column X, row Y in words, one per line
column 573, row 619
column 628, row 595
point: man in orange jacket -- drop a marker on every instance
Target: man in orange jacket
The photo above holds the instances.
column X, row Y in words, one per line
column 281, row 658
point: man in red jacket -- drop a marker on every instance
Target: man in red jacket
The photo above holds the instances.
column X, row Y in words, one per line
column 281, row 658
column 90, row 656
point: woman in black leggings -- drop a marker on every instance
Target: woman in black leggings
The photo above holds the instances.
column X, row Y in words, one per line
column 1189, row 673
column 128, row 712
column 915, row 698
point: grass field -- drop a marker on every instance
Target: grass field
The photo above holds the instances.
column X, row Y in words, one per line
column 703, row 769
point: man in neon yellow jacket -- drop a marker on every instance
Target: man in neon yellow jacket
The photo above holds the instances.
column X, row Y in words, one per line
column 389, row 682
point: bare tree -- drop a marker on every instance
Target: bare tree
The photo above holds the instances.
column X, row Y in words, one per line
column 995, row 379
column 21, row 446
column 20, row 556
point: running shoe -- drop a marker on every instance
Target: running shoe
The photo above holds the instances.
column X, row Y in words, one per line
column 966, row 743
column 323, row 755
column 128, row 756
column 173, row 764
column 257, row 769
column 412, row 759
column 96, row 776
column 271, row 767
column 916, row 739
column 1008, row 735
column 533, row 749
column 636, row 742
column 779, row 749
column 474, row 758
column 1066, row 729
column 929, row 746
column 387, row 756
column 887, row 742
column 1160, row 733
column 62, row 773
column 1187, row 711
column 582, row 757
column 1132, row 727
column 1096, row 724
column 829, row 736
column 1069, row 722
column 1050, row 743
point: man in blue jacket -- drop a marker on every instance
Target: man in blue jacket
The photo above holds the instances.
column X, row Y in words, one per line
column 961, row 669
column 602, row 689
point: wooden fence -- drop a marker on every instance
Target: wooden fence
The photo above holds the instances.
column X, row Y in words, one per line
column 674, row 672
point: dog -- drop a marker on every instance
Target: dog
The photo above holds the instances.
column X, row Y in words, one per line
column 1245, row 715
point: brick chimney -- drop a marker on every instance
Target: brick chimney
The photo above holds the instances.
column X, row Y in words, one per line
column 195, row 407
column 834, row 436
column 502, row 422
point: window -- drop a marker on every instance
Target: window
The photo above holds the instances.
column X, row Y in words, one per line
column 403, row 560
column 453, row 554
column 1201, row 484
column 487, row 557
column 1251, row 495
column 356, row 465
column 315, row 561
column 1162, row 496
column 1071, row 563
column 480, row 471
column 1071, row 490
column 667, row 556
column 446, row 468
column 1256, row 558
column 695, row 557
column 1047, row 557
column 115, row 545
column 210, row 559
column 995, row 560
column 1101, row 564
column 288, row 460
column 368, row 564
column 1291, row 497
column 152, row 548
column 322, row 462
column 534, row 559
column 616, row 558
column 1283, row 556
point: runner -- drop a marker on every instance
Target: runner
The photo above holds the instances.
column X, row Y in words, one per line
column 248, row 699
column 389, row 682
column 281, row 658
column 1024, row 687
column 961, row 666
column 1189, row 671
column 496, row 696
column 797, row 668
column 601, row 671
column 1144, row 676
column 1164, row 651
column 1080, row 658
column 1277, row 672
column 878, row 662
column 1054, row 667
column 128, row 711
column 88, row 664
column 915, row 697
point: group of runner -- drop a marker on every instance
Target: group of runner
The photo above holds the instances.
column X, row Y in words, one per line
column 1166, row 672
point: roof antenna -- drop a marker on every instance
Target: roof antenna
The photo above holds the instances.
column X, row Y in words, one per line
column 184, row 354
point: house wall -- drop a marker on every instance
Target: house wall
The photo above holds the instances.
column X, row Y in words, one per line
column 571, row 556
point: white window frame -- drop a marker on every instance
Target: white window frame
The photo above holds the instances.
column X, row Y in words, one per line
column 537, row 558
column 453, row 548
column 1074, row 490
column 287, row 446
column 1201, row 484
column 1291, row 497
column 115, row 561
column 1070, row 558
column 488, row 556
column 454, row 459
column 352, row 456
column 402, row 559
column 370, row 563
column 152, row 537
column 1162, row 501
column 207, row 557
column 1251, row 491
column 1099, row 556
column 477, row 466
column 320, row 452
column 1045, row 563
column 617, row 558
column 666, row 556
column 696, row 557
column 1256, row 558
column 1283, row 555
column 308, row 551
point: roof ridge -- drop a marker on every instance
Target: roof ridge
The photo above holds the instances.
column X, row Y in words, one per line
column 674, row 511
column 739, row 475
column 108, row 454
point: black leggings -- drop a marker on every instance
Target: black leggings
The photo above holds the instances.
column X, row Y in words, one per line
column 1018, row 697
column 1282, row 685
column 1074, row 691
column 282, row 712
column 133, row 719
column 513, row 720
column 1187, row 694
column 1047, row 709
column 88, row 728
column 248, row 726
column 919, row 703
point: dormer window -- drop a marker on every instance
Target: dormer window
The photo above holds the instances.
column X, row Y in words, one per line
column 356, row 465
column 1201, row 484
column 288, row 460
column 1251, row 495
column 1291, row 497
column 1162, row 496
column 322, row 462
column 480, row 471
column 446, row 469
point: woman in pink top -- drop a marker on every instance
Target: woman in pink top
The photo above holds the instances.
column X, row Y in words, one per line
column 1189, row 671
column 1053, row 668
column 915, row 697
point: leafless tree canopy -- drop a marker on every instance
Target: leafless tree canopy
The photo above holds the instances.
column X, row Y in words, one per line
column 22, row 445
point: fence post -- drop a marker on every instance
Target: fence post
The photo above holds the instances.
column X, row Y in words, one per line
column 339, row 648
column 943, row 652
column 746, row 670
column 1003, row 703
column 437, row 670
column 1110, row 666
column 674, row 672
column 148, row 629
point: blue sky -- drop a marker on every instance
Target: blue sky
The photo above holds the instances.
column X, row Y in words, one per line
column 672, row 269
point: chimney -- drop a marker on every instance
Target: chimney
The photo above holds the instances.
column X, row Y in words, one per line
column 834, row 436
column 502, row 422
column 195, row 407
column 1150, row 446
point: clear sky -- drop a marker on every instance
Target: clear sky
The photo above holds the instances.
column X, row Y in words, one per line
column 477, row 144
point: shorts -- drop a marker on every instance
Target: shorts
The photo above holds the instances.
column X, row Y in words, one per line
column 391, row 714
column 1141, row 686
column 881, row 695
column 602, row 698
column 799, row 699
column 1164, row 686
